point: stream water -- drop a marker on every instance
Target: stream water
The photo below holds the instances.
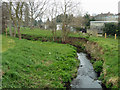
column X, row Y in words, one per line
column 86, row 76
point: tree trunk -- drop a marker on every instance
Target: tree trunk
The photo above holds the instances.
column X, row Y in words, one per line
column 55, row 31
column 15, row 28
column 2, row 26
column 19, row 34
column 63, row 33
column 55, row 35
column 6, row 30
column 10, row 28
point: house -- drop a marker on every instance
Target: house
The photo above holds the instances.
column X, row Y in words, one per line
column 106, row 17
column 96, row 27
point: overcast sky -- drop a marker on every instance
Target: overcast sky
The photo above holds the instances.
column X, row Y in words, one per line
column 100, row 6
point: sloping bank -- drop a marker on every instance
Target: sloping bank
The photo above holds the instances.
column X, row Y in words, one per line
column 36, row 64
column 104, row 53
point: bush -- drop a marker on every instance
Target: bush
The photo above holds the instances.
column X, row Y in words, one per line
column 98, row 66
column 111, row 29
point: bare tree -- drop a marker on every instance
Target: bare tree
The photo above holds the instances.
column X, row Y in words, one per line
column 77, row 21
column 27, row 14
column 37, row 9
column 53, row 14
column 19, row 14
column 16, row 15
column 4, row 17
column 8, row 15
column 12, row 17
column 68, row 7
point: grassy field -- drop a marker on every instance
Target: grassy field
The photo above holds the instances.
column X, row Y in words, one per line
column 45, row 33
column 110, row 56
column 38, row 32
column 109, row 46
column 35, row 64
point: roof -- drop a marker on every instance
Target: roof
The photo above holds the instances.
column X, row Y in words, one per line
column 105, row 14
column 104, row 21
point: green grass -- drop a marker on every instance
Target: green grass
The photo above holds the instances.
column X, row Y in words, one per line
column 34, row 64
column 110, row 56
column 38, row 32
column 7, row 43
column 109, row 46
column 45, row 33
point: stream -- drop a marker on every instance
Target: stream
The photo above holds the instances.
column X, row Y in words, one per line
column 86, row 76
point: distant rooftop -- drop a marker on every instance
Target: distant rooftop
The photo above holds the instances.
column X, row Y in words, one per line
column 105, row 14
column 104, row 21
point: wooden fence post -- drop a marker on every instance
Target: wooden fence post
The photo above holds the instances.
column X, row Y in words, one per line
column 105, row 35
column 115, row 36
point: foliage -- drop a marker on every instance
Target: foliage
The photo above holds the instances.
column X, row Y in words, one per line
column 109, row 49
column 87, row 20
column 59, row 18
column 110, row 57
column 119, row 28
column 79, row 28
column 111, row 29
column 39, row 22
column 98, row 66
column 34, row 64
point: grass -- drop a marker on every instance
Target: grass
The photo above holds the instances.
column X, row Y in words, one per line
column 110, row 56
column 45, row 33
column 7, row 43
column 38, row 32
column 109, row 46
column 34, row 64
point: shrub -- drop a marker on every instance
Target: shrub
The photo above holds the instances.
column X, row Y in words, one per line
column 98, row 66
column 111, row 29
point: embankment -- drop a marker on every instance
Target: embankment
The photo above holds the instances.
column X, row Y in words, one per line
column 94, row 51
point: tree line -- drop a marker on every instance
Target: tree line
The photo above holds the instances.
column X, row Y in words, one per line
column 17, row 14
column 29, row 14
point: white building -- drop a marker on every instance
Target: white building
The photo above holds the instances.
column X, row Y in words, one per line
column 96, row 27
column 59, row 27
column 106, row 17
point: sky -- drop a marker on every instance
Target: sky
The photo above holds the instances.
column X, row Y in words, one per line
column 96, row 6
column 99, row 6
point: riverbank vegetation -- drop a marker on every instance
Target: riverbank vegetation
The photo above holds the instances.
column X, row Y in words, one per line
column 110, row 58
column 40, row 54
column 35, row 64
column 109, row 55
